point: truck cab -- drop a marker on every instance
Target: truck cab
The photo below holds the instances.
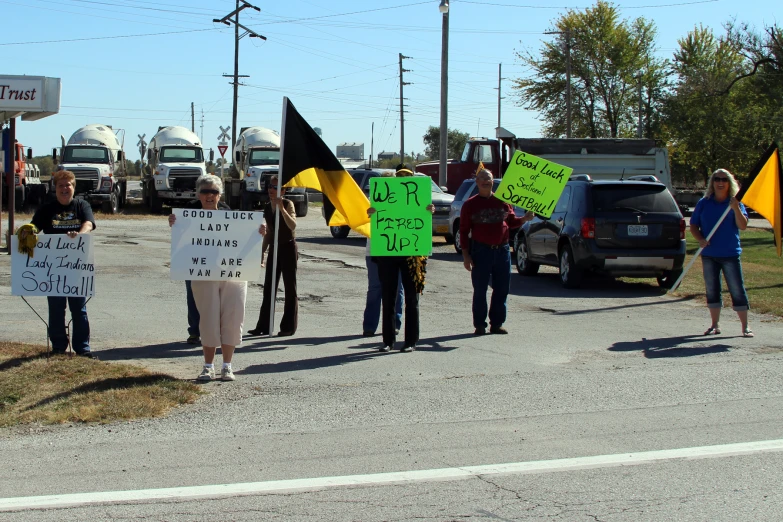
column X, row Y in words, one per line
column 26, row 177
column 476, row 151
column 94, row 154
column 176, row 160
column 257, row 157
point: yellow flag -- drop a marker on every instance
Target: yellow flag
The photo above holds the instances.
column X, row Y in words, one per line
column 479, row 169
column 764, row 191
column 308, row 162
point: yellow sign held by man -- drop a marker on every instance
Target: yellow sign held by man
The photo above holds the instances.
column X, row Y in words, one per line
column 533, row 183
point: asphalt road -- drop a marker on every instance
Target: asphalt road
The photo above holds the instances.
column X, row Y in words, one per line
column 613, row 369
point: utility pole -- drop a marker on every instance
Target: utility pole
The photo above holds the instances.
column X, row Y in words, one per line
column 192, row 118
column 567, row 34
column 500, row 65
column 443, row 146
column 568, row 83
column 228, row 21
column 640, row 132
column 402, row 110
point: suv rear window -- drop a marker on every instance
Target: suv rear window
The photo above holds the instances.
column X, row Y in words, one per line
column 461, row 190
column 654, row 198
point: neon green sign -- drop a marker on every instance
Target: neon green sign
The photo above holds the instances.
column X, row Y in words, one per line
column 533, row 183
column 401, row 225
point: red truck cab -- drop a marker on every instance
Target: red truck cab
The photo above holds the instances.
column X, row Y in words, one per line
column 476, row 151
column 27, row 179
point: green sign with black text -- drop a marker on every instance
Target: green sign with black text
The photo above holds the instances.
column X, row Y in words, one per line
column 533, row 183
column 401, row 225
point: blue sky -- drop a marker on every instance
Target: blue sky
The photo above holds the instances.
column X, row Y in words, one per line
column 337, row 60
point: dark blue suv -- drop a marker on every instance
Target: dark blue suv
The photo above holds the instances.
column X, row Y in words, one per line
column 620, row 228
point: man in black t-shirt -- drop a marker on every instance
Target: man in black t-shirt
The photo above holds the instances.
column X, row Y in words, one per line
column 71, row 217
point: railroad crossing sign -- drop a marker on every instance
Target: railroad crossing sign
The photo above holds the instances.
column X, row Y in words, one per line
column 224, row 133
column 223, row 147
column 142, row 145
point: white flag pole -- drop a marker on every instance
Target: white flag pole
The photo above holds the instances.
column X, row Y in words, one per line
column 277, row 226
column 698, row 252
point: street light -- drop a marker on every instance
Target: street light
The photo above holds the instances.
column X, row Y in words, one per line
column 444, row 90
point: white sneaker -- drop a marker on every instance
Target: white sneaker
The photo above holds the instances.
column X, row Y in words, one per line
column 227, row 374
column 207, row 374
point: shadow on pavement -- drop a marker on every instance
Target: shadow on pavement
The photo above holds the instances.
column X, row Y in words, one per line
column 309, row 364
column 151, row 351
column 670, row 347
column 548, row 285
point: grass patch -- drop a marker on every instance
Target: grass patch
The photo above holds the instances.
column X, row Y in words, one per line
column 35, row 389
column 761, row 267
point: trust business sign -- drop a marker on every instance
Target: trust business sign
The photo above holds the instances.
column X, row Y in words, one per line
column 32, row 97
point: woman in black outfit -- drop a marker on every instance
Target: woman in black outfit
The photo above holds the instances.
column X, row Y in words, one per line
column 287, row 257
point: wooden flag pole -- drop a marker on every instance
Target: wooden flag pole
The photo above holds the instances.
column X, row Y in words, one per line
column 698, row 252
column 273, row 291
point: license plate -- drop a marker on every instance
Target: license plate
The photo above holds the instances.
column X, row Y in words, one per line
column 637, row 230
column 441, row 229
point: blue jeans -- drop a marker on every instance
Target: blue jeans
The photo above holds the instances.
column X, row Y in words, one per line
column 80, row 338
column 193, row 315
column 732, row 271
column 494, row 263
column 372, row 308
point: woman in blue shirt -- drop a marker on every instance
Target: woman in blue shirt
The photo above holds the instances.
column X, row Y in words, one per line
column 722, row 251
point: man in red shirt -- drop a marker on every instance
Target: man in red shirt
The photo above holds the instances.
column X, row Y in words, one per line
column 484, row 224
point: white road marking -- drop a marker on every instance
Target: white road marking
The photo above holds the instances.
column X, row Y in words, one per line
column 311, row 484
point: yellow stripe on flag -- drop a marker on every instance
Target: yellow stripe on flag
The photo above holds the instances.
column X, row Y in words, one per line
column 764, row 194
column 349, row 201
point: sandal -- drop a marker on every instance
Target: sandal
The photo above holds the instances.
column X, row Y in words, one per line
column 713, row 330
column 747, row 332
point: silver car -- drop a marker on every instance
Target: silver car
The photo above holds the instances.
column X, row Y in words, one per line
column 465, row 191
column 441, row 200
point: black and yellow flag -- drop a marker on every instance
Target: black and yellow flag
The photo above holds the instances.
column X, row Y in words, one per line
column 308, row 162
column 763, row 194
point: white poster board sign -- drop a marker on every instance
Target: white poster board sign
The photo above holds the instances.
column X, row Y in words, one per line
column 216, row 245
column 60, row 265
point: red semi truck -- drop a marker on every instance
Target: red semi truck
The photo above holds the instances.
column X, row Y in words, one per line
column 27, row 176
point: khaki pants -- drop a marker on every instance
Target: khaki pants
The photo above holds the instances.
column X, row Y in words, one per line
column 221, row 305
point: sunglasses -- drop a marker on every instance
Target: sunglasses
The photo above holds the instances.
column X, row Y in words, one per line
column 214, row 192
column 720, row 180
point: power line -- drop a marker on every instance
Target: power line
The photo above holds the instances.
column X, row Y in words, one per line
column 107, row 37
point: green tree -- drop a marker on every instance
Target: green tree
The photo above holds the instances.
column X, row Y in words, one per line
column 706, row 124
column 610, row 60
column 130, row 168
column 456, row 142
column 45, row 164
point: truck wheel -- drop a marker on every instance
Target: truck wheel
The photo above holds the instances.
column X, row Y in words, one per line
column 570, row 274
column 156, row 205
column 301, row 209
column 668, row 278
column 340, row 232
column 245, row 201
column 111, row 206
column 457, row 241
column 21, row 200
column 123, row 195
column 524, row 265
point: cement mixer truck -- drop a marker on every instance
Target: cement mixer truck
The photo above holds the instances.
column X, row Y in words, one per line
column 176, row 160
column 257, row 157
column 94, row 154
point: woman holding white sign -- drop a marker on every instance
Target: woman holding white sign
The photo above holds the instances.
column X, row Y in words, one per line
column 71, row 217
column 221, row 304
